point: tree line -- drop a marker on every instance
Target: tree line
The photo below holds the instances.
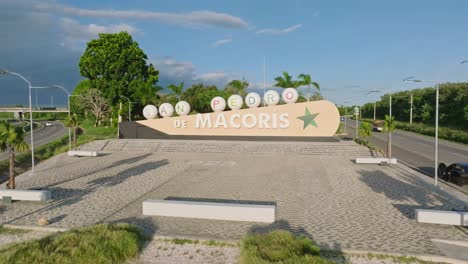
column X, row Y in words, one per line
column 118, row 76
column 453, row 106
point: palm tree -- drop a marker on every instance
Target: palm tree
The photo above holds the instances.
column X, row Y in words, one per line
column 72, row 121
column 286, row 81
column 389, row 127
column 365, row 130
column 237, row 87
column 177, row 89
column 307, row 80
column 12, row 138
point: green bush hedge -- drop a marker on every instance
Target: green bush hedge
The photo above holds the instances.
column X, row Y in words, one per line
column 104, row 243
column 280, row 247
column 450, row 134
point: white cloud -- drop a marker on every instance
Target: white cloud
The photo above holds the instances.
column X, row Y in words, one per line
column 203, row 17
column 272, row 31
column 76, row 32
column 214, row 77
column 221, row 42
column 171, row 70
column 174, row 71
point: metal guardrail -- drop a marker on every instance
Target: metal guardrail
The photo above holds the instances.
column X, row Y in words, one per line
column 26, row 110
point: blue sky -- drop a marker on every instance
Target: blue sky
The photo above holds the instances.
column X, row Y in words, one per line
column 349, row 47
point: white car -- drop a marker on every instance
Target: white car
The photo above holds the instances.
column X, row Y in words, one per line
column 48, row 124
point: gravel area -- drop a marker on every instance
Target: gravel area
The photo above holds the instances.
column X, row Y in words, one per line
column 167, row 252
column 6, row 239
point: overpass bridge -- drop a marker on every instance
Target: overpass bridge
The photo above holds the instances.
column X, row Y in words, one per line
column 34, row 110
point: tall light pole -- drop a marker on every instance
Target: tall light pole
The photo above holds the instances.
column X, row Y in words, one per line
column 436, row 147
column 345, row 117
column 411, row 110
column 4, row 72
column 375, row 102
column 69, row 113
column 129, row 108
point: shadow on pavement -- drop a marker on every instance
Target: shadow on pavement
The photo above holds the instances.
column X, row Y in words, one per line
column 69, row 196
column 408, row 194
column 328, row 250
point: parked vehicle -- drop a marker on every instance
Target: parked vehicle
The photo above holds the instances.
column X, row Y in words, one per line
column 457, row 173
column 378, row 126
column 47, row 124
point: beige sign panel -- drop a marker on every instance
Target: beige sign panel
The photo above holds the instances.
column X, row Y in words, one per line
column 309, row 119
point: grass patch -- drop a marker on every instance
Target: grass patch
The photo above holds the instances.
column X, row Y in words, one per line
column 12, row 231
column 105, row 243
column 369, row 145
column 213, row 243
column 280, row 247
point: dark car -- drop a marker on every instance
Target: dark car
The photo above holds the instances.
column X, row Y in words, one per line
column 457, row 173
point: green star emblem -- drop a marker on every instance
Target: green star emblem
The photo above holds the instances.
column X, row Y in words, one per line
column 308, row 118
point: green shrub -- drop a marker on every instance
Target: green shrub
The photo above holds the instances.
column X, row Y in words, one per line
column 105, row 243
column 279, row 247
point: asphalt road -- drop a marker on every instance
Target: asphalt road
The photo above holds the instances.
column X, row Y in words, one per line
column 43, row 136
column 416, row 150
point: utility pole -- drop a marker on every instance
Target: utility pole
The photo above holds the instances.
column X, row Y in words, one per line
column 375, row 103
column 411, row 110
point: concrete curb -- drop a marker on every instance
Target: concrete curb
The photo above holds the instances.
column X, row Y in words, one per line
column 432, row 258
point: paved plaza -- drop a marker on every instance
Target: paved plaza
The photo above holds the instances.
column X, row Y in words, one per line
column 318, row 190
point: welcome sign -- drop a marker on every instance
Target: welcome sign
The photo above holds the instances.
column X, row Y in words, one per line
column 308, row 119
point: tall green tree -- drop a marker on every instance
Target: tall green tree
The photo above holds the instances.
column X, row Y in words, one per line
column 72, row 122
column 389, row 127
column 237, row 87
column 115, row 65
column 12, row 139
column 305, row 79
column 199, row 97
column 286, row 81
column 177, row 90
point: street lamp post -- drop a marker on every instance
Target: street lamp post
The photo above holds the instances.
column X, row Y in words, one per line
column 411, row 110
column 3, row 72
column 69, row 113
column 436, row 147
column 345, row 117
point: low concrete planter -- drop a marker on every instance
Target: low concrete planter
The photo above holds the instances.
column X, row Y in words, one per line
column 375, row 160
column 26, row 195
column 442, row 217
column 211, row 210
column 82, row 153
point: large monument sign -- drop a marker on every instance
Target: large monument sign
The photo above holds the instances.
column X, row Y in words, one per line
column 308, row 119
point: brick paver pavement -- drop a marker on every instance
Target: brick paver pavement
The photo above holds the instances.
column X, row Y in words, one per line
column 318, row 190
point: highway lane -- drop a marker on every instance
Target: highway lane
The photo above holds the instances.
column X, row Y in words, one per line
column 417, row 150
column 43, row 136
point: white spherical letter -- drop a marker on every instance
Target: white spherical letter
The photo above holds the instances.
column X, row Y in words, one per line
column 150, row 112
column 253, row 100
column 290, row 95
column 271, row 97
column 235, row 102
column 166, row 110
column 182, row 108
column 218, row 104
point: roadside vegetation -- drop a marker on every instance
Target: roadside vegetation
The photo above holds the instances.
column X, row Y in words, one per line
column 280, row 247
column 451, row 134
column 105, row 243
column 86, row 132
